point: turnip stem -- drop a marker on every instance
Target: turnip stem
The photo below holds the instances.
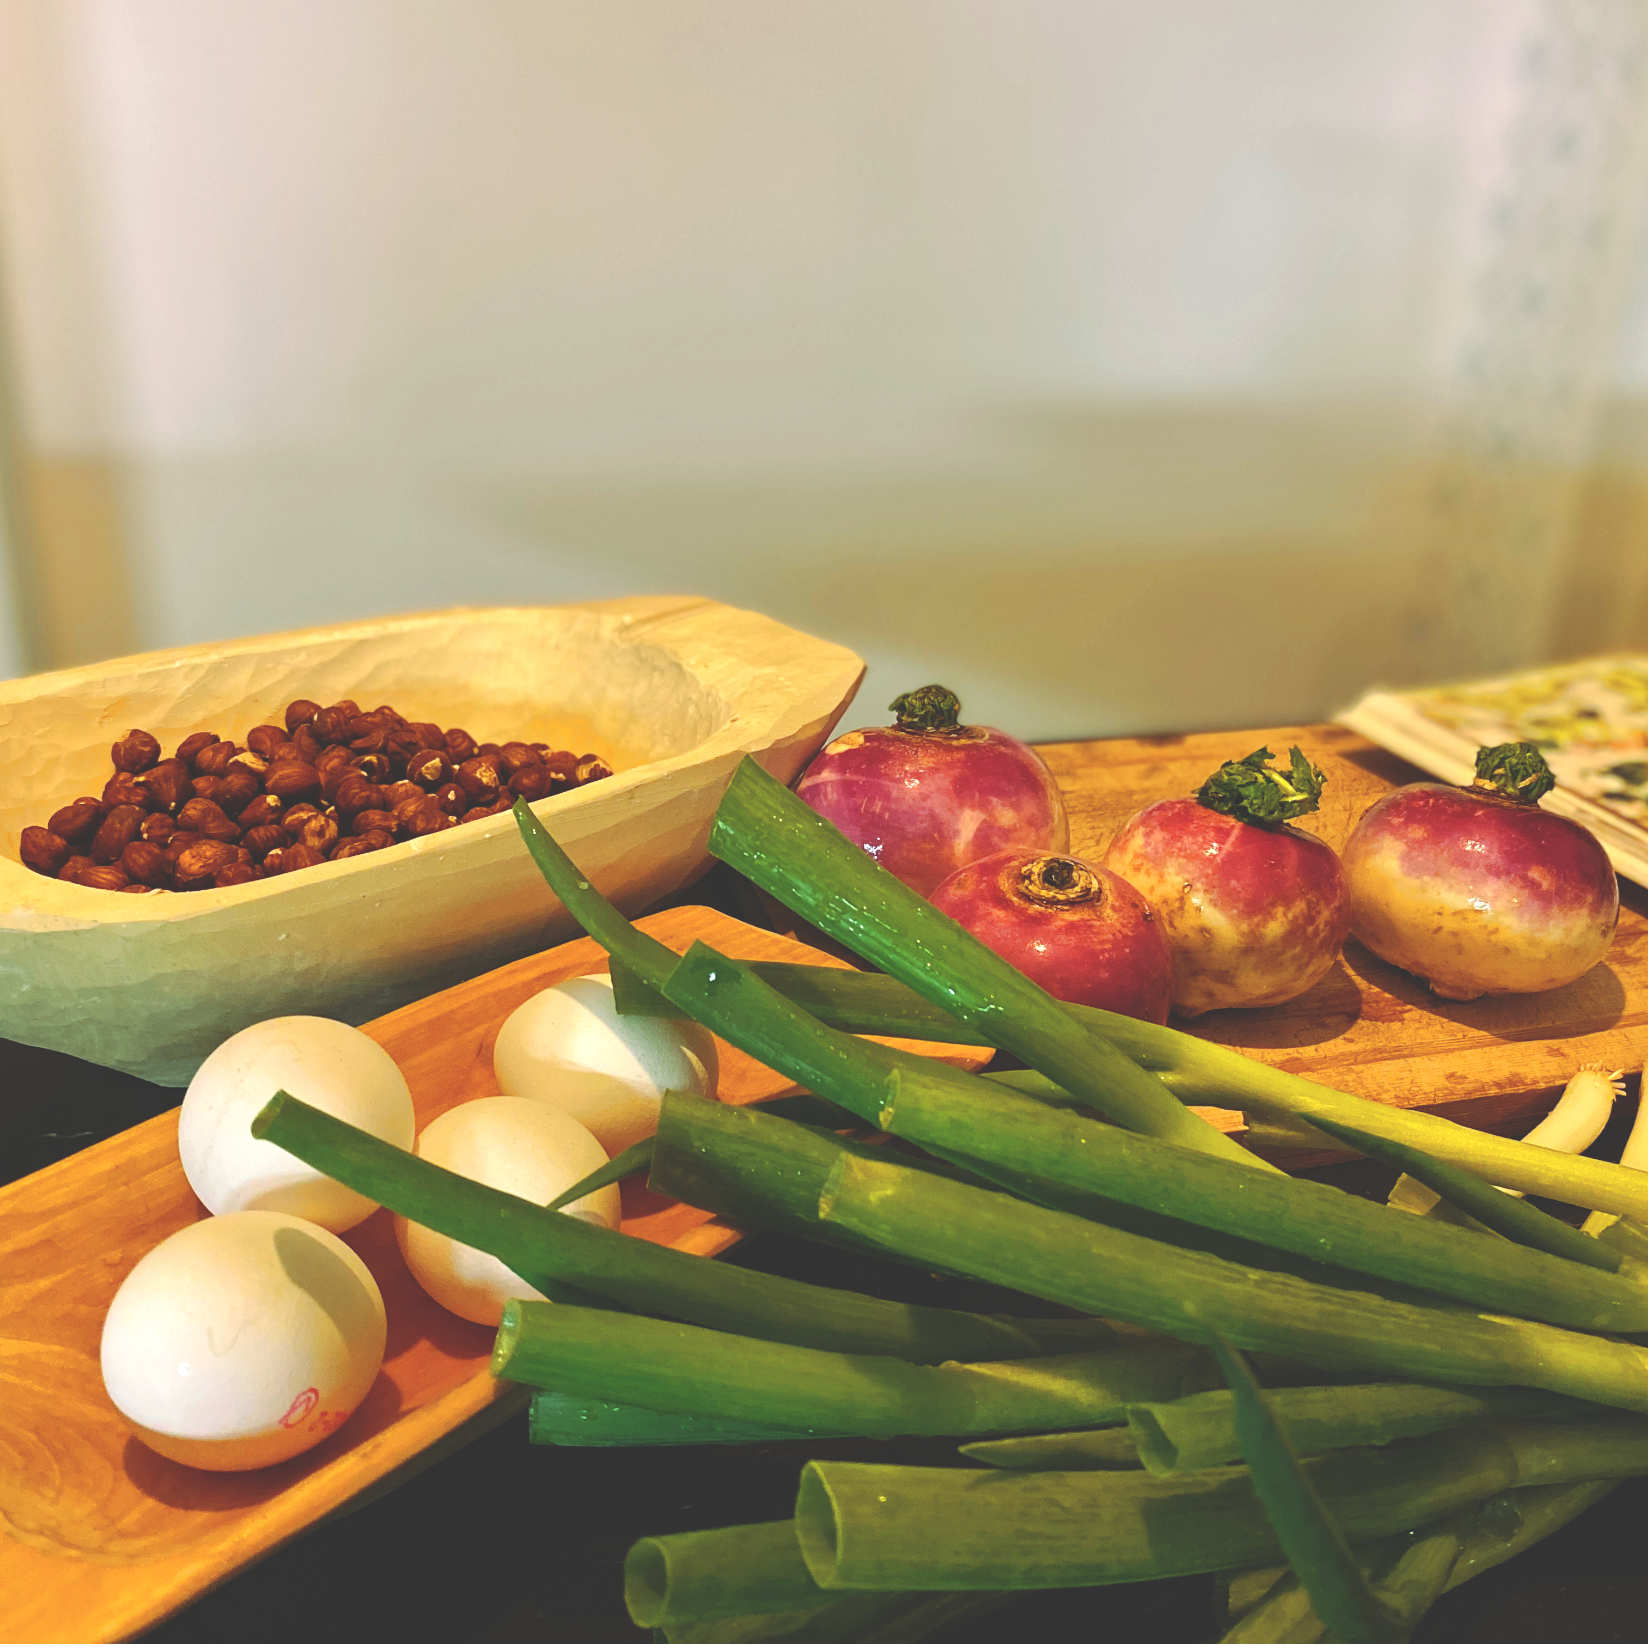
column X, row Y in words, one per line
column 884, row 1527
column 787, row 849
column 1191, row 1295
column 976, row 1121
column 557, row 1252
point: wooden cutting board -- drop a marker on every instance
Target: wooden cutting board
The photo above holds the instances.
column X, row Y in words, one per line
column 1369, row 1028
column 100, row 1537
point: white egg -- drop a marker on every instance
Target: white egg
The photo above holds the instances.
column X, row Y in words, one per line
column 523, row 1146
column 324, row 1062
column 242, row 1340
column 570, row 1045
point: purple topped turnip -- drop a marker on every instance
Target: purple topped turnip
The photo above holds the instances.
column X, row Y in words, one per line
column 1478, row 889
column 1077, row 929
column 930, row 794
column 1253, row 909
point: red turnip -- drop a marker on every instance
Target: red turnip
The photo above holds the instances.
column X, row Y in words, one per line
column 1477, row 889
column 928, row 794
column 1253, row 908
column 1077, row 929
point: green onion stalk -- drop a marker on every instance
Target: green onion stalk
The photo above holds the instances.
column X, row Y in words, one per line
column 1070, row 1159
column 1200, row 1072
column 577, row 1262
column 1195, row 1296
column 735, row 1378
column 897, row 1527
column 784, row 847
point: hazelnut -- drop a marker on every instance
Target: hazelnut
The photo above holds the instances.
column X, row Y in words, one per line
column 532, row 782
column 109, row 878
column 374, row 820
column 43, row 850
column 236, row 788
column 309, row 746
column 264, row 838
column 299, row 713
column 291, row 780
column 330, row 722
column 74, row 866
column 589, row 768
column 296, row 857
column 352, row 846
column 208, row 819
column 194, row 744
column 202, row 860
column 379, row 768
column 125, row 791
column 262, row 740
column 115, row 832
column 78, row 820
column 212, row 760
column 451, row 797
column 459, row 745
column 515, row 755
column 295, row 817
column 158, row 828
column 319, row 832
column 136, row 752
column 261, row 809
column 205, row 788
column 356, row 794
column 168, row 784
column 249, row 761
column 403, row 789
column 480, row 776
column 143, row 861
column 428, row 767
column 428, row 820
column 235, row 875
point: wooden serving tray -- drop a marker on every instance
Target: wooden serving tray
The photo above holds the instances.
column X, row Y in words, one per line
column 99, row 1536
column 1369, row 1028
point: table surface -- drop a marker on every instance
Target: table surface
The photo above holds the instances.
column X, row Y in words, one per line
column 501, row 1542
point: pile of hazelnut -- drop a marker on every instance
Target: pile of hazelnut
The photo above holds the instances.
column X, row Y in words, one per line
column 333, row 782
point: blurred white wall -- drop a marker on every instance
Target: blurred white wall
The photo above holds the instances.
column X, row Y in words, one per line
column 1106, row 361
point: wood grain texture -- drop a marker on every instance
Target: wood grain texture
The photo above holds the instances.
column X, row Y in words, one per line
column 1368, row 1028
column 672, row 690
column 99, row 1536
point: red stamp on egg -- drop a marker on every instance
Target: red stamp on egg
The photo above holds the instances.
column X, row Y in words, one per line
column 303, row 1404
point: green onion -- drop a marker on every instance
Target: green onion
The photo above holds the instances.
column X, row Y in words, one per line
column 555, row 1418
column 1203, row 1072
column 578, row 1262
column 1192, row 1295
column 1109, row 1448
column 639, row 951
column 731, row 1377
column 748, row 1584
column 1509, row 1215
column 634, row 1160
column 753, row 1568
column 1311, row 1540
column 1480, row 1538
column 1069, row 1158
column 892, row 1527
column 1194, row 1432
column 782, row 845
